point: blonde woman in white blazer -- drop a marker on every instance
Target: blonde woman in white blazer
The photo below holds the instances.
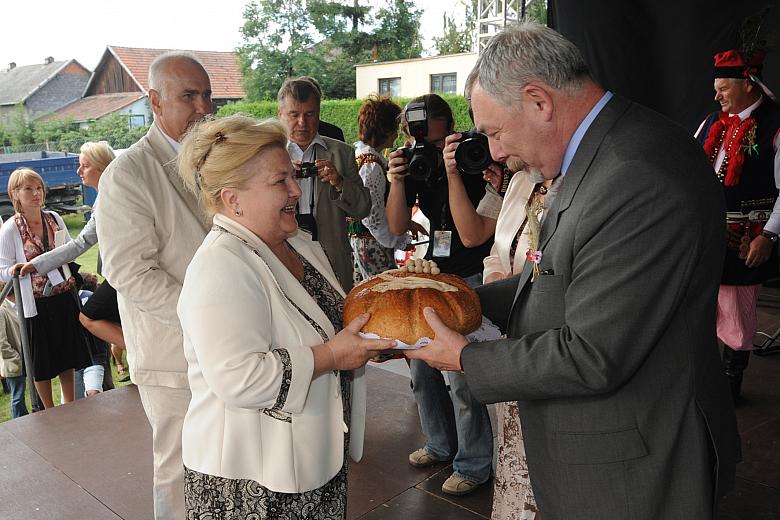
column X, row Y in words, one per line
column 260, row 309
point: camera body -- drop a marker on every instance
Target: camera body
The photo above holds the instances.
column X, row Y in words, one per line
column 421, row 156
column 473, row 153
column 306, row 170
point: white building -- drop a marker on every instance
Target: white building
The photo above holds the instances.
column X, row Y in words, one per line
column 415, row 77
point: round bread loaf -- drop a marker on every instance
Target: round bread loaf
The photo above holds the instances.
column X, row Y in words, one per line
column 396, row 299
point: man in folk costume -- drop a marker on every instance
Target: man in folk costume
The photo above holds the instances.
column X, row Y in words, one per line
column 742, row 141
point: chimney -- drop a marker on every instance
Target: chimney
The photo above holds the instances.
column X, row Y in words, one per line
column 375, row 53
column 49, row 60
column 12, row 65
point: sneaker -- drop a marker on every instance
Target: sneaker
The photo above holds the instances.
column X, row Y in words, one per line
column 422, row 459
column 458, row 486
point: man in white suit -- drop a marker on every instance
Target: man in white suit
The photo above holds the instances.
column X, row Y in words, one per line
column 149, row 227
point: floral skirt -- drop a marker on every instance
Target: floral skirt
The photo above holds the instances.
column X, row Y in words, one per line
column 513, row 497
column 207, row 497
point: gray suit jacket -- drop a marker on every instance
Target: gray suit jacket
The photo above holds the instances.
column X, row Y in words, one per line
column 612, row 354
column 333, row 208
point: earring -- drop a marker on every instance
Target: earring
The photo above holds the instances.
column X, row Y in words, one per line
column 238, row 212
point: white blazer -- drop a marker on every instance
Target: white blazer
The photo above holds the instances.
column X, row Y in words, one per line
column 12, row 252
column 256, row 413
column 512, row 216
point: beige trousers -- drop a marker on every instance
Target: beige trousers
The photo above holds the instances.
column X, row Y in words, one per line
column 165, row 408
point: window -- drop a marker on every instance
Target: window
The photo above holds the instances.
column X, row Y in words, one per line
column 134, row 120
column 390, row 87
column 444, row 83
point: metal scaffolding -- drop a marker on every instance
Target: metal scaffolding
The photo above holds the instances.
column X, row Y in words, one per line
column 494, row 15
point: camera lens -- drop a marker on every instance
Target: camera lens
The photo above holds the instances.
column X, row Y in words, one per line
column 419, row 168
column 473, row 153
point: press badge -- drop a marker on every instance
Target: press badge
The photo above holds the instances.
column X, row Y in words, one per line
column 442, row 243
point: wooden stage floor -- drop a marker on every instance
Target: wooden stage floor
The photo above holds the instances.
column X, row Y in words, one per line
column 91, row 459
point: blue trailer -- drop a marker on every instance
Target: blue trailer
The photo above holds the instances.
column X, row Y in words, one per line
column 59, row 172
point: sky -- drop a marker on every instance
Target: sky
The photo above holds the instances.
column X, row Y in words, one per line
column 35, row 29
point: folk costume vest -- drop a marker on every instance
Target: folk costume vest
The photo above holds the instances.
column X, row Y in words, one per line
column 747, row 176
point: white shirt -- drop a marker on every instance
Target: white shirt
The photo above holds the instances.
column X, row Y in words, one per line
column 773, row 225
column 373, row 175
column 308, row 201
column 176, row 145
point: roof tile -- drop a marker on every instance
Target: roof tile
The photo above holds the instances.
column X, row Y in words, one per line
column 95, row 107
column 223, row 68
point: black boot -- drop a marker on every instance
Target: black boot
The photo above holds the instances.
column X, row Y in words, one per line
column 734, row 364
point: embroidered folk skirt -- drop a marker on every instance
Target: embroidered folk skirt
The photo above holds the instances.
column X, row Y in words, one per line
column 370, row 258
column 513, row 497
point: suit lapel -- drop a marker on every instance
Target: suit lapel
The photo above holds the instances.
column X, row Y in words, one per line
column 289, row 286
column 325, row 155
column 166, row 156
column 579, row 166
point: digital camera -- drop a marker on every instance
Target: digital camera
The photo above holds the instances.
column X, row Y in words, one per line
column 473, row 153
column 421, row 156
column 306, row 170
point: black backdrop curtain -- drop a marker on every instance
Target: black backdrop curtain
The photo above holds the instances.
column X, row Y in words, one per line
column 659, row 53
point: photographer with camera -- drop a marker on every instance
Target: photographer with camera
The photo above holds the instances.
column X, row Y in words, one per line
column 324, row 206
column 417, row 173
column 467, row 155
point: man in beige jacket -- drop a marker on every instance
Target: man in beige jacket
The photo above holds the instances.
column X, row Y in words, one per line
column 149, row 227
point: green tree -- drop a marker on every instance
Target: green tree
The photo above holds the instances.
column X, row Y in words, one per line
column 115, row 130
column 19, row 128
column 455, row 38
column 50, row 131
column 398, row 34
column 324, row 39
column 5, row 138
column 536, row 11
column 276, row 38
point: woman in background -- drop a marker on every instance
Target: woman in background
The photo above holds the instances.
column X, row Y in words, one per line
column 100, row 315
column 57, row 341
column 373, row 245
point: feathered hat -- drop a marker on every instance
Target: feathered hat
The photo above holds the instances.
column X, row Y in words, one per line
column 748, row 61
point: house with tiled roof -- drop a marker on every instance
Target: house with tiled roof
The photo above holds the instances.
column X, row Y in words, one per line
column 41, row 88
column 120, row 84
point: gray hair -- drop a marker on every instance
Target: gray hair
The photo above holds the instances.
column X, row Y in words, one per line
column 524, row 53
column 300, row 89
column 161, row 62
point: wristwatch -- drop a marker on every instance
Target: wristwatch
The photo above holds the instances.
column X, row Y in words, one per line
column 771, row 236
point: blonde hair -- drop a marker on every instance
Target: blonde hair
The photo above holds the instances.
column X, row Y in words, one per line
column 100, row 154
column 18, row 177
column 214, row 152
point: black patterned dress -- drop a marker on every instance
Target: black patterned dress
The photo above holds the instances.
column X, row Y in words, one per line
column 217, row 498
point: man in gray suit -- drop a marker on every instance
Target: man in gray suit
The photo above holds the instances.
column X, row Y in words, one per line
column 327, row 174
column 610, row 349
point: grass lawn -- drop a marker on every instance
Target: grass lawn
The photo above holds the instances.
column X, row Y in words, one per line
column 88, row 260
column 88, row 263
